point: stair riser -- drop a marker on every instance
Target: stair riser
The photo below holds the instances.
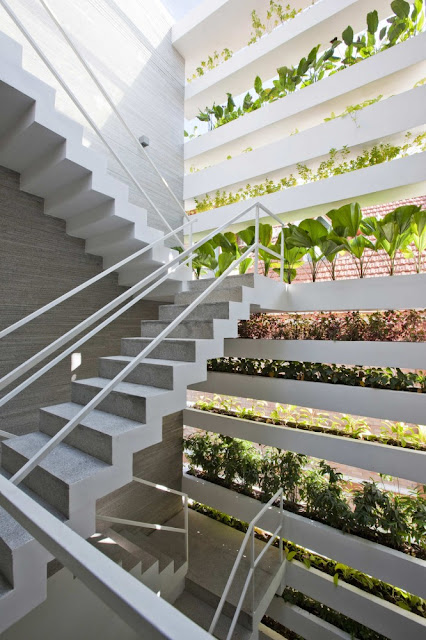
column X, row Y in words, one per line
column 201, row 313
column 184, row 330
column 88, row 440
column 183, row 351
column 6, row 562
column 213, row 600
column 230, row 282
column 147, row 374
column 117, row 403
column 223, row 295
column 49, row 488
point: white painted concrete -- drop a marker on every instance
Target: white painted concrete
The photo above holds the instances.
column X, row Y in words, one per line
column 372, row 403
column 390, row 72
column 300, row 621
column 285, row 45
column 373, row 612
column 383, row 563
column 387, row 120
column 386, row 182
column 372, row 456
column 406, row 355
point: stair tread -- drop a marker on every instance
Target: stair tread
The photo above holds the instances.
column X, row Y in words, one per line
column 151, row 361
column 43, row 503
column 202, row 613
column 109, row 547
column 107, row 423
column 146, row 558
column 141, row 541
column 128, row 388
column 66, row 463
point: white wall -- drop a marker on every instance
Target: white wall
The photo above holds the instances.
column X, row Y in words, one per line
column 128, row 45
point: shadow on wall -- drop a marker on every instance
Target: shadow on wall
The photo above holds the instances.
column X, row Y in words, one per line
column 131, row 53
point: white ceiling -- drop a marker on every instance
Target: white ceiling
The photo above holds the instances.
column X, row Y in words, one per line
column 178, row 8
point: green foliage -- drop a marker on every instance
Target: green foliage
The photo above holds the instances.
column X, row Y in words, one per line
column 337, row 163
column 407, row 21
column 391, row 378
column 351, row 576
column 392, row 433
column 311, row 488
column 352, row 109
column 212, row 61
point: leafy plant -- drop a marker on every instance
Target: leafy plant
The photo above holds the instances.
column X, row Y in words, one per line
column 407, row 20
column 375, row 377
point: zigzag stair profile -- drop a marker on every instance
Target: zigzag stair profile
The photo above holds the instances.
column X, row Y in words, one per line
column 46, row 148
column 96, row 458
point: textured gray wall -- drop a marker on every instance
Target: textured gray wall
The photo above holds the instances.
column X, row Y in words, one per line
column 39, row 262
column 128, row 45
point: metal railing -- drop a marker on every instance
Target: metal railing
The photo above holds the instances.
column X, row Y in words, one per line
column 139, row 607
column 158, row 527
column 136, row 293
column 254, row 562
column 58, row 77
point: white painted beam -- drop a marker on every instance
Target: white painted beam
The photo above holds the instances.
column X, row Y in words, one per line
column 393, row 567
column 384, row 404
column 286, row 45
column 386, row 182
column 389, row 72
column 376, row 123
column 406, row 355
column 372, row 456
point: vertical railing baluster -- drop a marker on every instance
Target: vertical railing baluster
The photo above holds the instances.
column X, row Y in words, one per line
column 282, row 254
column 256, row 242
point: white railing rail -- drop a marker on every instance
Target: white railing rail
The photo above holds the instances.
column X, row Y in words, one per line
column 106, row 272
column 158, row 527
column 69, row 427
column 58, row 77
column 147, row 614
column 133, row 293
column 254, row 562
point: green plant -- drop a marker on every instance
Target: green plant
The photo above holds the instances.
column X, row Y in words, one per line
column 351, row 576
column 275, row 15
column 407, row 20
column 352, row 109
column 212, row 61
column 391, row 378
column 315, row 490
column 378, row 154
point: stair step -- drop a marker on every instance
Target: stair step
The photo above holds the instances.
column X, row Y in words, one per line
column 186, row 329
column 152, row 372
column 139, row 541
column 146, row 559
column 234, row 294
column 115, row 552
column 60, row 477
column 246, row 280
column 95, row 435
column 127, row 399
column 183, row 350
column 202, row 613
column 204, row 311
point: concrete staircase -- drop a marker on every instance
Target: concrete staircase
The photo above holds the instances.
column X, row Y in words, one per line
column 96, row 458
column 46, row 149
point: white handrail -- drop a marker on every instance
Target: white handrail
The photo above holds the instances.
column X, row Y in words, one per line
column 110, row 101
column 83, row 111
column 69, row 427
column 250, row 577
column 146, row 613
column 88, row 283
column 134, row 523
column 54, row 346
